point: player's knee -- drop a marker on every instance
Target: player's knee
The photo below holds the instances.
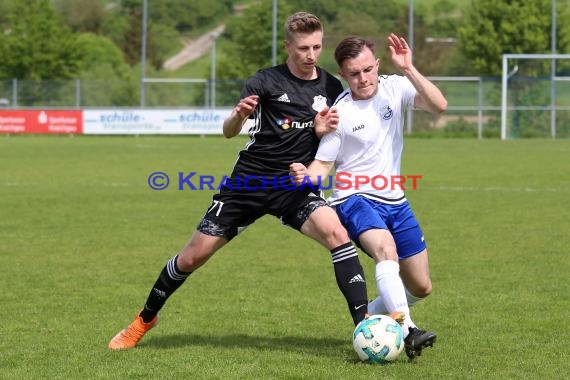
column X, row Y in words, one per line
column 389, row 252
column 336, row 234
column 188, row 261
column 423, row 290
column 381, row 253
column 185, row 263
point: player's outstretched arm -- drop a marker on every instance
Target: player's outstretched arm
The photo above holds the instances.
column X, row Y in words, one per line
column 428, row 98
column 240, row 113
column 317, row 170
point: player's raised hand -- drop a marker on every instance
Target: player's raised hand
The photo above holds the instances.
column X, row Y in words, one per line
column 233, row 123
column 332, row 119
column 297, row 171
column 401, row 52
column 326, row 121
column 246, row 106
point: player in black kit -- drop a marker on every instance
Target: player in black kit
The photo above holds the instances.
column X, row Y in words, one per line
column 290, row 107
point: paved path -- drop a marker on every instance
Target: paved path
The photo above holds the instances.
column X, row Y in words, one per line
column 193, row 49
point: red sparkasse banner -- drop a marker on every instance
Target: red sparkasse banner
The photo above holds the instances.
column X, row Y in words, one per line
column 41, row 121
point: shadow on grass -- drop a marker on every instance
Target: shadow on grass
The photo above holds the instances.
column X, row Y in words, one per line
column 304, row 345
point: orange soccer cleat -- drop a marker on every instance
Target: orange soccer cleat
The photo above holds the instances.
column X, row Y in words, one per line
column 398, row 316
column 129, row 337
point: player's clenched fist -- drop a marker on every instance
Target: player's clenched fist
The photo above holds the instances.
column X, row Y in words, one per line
column 326, row 121
column 246, row 106
column 297, row 171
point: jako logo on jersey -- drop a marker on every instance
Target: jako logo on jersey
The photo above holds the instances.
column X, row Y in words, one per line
column 386, row 113
column 358, row 127
column 319, row 103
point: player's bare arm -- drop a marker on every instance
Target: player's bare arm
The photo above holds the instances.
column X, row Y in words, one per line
column 428, row 98
column 240, row 113
column 317, row 169
column 326, row 121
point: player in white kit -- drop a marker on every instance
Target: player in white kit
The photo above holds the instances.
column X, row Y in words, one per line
column 366, row 151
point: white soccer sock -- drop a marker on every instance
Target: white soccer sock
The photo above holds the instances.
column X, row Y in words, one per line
column 376, row 306
column 392, row 291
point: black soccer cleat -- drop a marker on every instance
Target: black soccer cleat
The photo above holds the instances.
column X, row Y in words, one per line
column 417, row 340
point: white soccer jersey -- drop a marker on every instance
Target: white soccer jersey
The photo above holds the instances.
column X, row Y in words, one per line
column 367, row 145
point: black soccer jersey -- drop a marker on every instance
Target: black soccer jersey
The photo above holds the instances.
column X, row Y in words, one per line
column 283, row 130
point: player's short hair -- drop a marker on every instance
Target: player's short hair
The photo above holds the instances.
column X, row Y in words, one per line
column 350, row 47
column 302, row 22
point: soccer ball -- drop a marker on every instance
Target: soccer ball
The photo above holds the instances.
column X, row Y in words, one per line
column 378, row 339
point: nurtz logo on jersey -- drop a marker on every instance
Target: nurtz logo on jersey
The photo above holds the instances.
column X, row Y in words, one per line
column 287, row 124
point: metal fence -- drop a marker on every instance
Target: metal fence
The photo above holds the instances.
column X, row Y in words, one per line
column 474, row 102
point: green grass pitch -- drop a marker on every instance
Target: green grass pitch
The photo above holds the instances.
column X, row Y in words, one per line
column 83, row 237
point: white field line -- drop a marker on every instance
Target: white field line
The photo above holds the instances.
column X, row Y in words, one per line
column 37, row 184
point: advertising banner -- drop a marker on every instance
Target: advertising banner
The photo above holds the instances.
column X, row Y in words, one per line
column 41, row 121
column 117, row 122
column 167, row 122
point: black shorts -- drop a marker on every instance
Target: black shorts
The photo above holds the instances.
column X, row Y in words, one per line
column 232, row 210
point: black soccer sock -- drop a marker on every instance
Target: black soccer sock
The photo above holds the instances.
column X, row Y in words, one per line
column 168, row 281
column 350, row 280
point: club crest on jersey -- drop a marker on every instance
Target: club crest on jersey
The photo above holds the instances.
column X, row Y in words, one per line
column 319, row 103
column 285, row 124
column 386, row 113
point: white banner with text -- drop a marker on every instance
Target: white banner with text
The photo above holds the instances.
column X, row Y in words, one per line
column 156, row 122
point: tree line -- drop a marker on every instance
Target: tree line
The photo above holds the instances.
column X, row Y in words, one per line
column 101, row 39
